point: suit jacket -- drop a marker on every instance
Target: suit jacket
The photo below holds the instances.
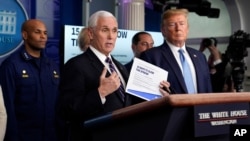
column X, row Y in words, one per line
column 79, row 97
column 163, row 57
column 179, row 118
column 129, row 65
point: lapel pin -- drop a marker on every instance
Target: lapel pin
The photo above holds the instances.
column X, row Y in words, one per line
column 24, row 74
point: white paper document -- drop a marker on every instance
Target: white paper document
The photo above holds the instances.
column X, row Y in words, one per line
column 144, row 80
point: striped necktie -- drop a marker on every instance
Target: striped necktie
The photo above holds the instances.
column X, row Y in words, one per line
column 112, row 69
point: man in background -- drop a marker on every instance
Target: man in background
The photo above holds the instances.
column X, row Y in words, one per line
column 141, row 41
column 83, row 39
column 29, row 81
column 219, row 66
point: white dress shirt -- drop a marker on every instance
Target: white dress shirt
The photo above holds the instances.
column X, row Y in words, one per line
column 175, row 50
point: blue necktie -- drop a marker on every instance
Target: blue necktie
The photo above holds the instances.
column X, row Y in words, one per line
column 112, row 69
column 187, row 73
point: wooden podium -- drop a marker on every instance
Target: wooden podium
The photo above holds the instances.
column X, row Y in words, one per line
column 169, row 118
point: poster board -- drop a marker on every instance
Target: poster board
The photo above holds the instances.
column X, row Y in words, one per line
column 122, row 52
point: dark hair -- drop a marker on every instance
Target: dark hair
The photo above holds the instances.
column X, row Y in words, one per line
column 136, row 37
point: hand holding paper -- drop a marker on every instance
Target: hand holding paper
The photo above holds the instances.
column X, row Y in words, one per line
column 144, row 80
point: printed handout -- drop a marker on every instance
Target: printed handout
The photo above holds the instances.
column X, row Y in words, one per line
column 144, row 80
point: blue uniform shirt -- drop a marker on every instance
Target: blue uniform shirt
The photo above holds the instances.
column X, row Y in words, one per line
column 30, row 91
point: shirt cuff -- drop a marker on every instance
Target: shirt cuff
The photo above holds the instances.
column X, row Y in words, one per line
column 216, row 62
column 103, row 99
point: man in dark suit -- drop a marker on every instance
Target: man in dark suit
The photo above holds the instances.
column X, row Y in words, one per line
column 174, row 27
column 90, row 86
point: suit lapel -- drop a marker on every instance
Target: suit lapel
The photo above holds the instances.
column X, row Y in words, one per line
column 194, row 58
column 197, row 65
column 171, row 61
column 97, row 64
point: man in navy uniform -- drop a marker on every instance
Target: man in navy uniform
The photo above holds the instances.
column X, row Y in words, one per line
column 29, row 82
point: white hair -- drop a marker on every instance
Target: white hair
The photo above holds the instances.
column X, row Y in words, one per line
column 94, row 17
